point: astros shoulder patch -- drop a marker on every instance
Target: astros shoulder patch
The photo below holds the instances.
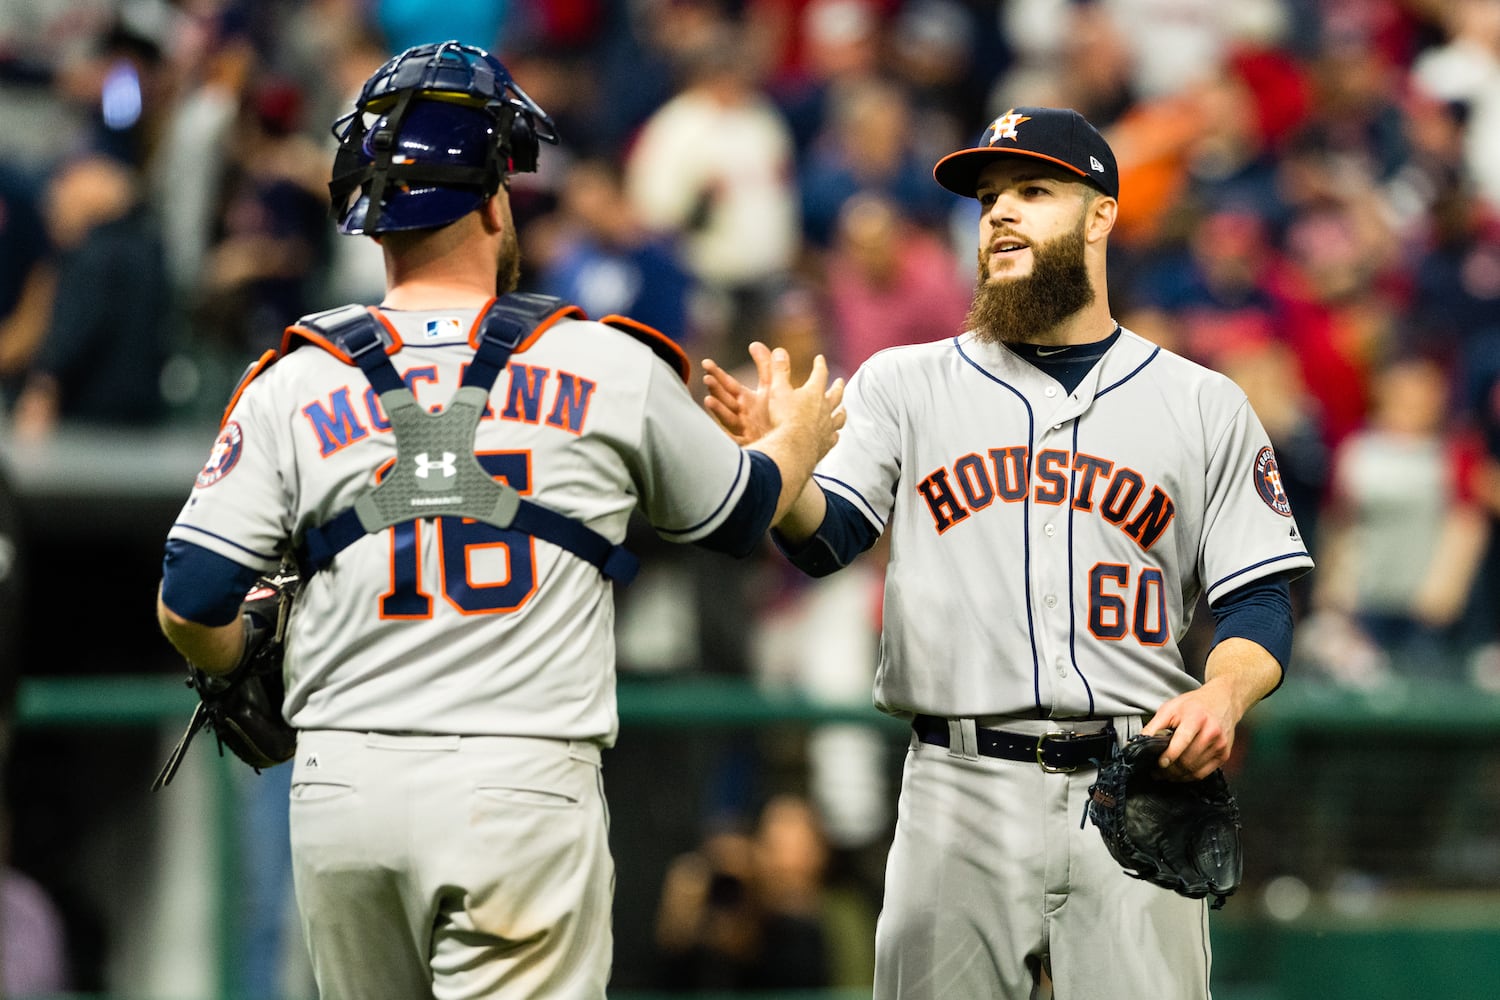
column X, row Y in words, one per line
column 223, row 457
column 1268, row 482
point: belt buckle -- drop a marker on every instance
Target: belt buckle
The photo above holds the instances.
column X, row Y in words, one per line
column 1041, row 745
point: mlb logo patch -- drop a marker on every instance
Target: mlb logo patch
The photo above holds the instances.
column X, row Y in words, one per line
column 446, row 327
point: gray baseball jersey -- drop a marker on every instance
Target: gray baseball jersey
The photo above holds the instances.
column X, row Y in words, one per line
column 586, row 421
column 1047, row 548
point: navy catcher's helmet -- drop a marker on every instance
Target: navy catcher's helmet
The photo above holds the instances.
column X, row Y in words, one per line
column 434, row 132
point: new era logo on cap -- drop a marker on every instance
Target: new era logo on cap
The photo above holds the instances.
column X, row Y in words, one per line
column 1057, row 135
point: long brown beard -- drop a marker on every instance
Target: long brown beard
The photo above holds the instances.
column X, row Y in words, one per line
column 1018, row 310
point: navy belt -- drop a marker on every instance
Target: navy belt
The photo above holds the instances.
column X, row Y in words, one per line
column 1053, row 751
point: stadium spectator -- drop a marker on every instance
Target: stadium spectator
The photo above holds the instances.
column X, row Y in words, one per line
column 751, row 911
column 1334, row 307
column 261, row 272
column 713, row 168
column 27, row 276
column 600, row 258
column 890, row 282
column 1404, row 536
column 817, row 49
column 1465, row 69
column 101, row 357
column 868, row 144
column 1214, row 292
column 188, row 171
column 941, row 51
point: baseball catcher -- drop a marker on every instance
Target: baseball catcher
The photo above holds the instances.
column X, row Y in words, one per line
column 1181, row 835
column 243, row 707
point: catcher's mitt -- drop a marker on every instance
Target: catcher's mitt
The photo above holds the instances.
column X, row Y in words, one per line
column 243, row 707
column 1181, row 835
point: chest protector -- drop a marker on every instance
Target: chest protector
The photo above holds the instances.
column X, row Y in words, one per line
column 436, row 472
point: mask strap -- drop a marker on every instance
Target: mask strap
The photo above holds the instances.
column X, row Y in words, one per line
column 383, row 142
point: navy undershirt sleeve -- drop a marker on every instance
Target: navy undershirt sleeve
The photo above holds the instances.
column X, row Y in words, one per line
column 1261, row 612
column 844, row 534
column 203, row 586
column 746, row 524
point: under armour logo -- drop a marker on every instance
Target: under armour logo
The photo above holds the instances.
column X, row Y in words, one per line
column 447, row 465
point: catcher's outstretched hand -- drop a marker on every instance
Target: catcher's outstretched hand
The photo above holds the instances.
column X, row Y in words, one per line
column 749, row 413
column 743, row 411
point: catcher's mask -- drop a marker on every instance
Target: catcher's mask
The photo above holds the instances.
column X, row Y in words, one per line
column 434, row 132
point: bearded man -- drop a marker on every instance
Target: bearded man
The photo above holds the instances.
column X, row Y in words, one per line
column 1059, row 493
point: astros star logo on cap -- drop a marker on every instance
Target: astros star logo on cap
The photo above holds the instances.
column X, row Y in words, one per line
column 1004, row 127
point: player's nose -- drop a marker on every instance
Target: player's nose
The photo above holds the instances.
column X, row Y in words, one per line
column 1004, row 209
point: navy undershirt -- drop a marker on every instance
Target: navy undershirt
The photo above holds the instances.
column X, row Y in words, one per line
column 1068, row 364
column 201, row 585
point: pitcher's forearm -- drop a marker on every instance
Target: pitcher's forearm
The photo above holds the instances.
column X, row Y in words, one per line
column 804, row 515
column 1245, row 671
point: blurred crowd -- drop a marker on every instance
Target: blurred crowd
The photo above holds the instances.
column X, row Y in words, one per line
column 1310, row 204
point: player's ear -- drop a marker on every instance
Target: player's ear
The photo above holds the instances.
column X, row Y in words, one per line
column 495, row 212
column 1099, row 216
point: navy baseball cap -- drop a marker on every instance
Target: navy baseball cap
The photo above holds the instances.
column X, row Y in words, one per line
column 1057, row 135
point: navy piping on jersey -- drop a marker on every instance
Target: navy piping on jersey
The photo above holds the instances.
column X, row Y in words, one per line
column 201, row 585
column 1241, row 572
column 229, row 541
column 1073, row 483
column 876, row 518
column 1036, row 663
column 746, row 524
column 1115, row 385
column 738, row 475
column 1072, row 567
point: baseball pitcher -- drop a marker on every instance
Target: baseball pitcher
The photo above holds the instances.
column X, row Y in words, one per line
column 1058, row 493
